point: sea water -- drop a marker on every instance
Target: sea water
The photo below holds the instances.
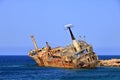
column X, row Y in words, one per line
column 24, row 68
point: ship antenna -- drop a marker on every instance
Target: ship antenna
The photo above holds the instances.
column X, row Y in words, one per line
column 79, row 38
column 34, row 42
column 84, row 38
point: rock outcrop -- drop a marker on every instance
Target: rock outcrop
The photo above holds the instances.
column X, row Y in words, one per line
column 110, row 63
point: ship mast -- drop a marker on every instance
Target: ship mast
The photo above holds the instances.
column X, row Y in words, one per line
column 72, row 36
column 75, row 43
column 34, row 42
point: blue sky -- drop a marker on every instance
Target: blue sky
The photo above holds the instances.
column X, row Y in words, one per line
column 98, row 20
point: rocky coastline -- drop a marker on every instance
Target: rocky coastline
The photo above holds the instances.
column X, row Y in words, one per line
column 109, row 63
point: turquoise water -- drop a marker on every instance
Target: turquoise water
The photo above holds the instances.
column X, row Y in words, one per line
column 24, row 68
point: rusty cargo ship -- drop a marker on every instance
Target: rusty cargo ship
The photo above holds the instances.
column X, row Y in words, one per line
column 77, row 55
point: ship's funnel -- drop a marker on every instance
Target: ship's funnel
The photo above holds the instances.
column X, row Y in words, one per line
column 75, row 43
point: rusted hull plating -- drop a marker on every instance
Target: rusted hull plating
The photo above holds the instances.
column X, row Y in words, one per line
column 61, row 62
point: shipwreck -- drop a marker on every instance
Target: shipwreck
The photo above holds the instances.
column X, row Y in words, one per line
column 77, row 55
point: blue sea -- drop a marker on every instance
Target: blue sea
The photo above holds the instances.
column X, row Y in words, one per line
column 24, row 68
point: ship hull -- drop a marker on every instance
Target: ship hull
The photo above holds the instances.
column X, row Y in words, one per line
column 61, row 63
column 79, row 54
